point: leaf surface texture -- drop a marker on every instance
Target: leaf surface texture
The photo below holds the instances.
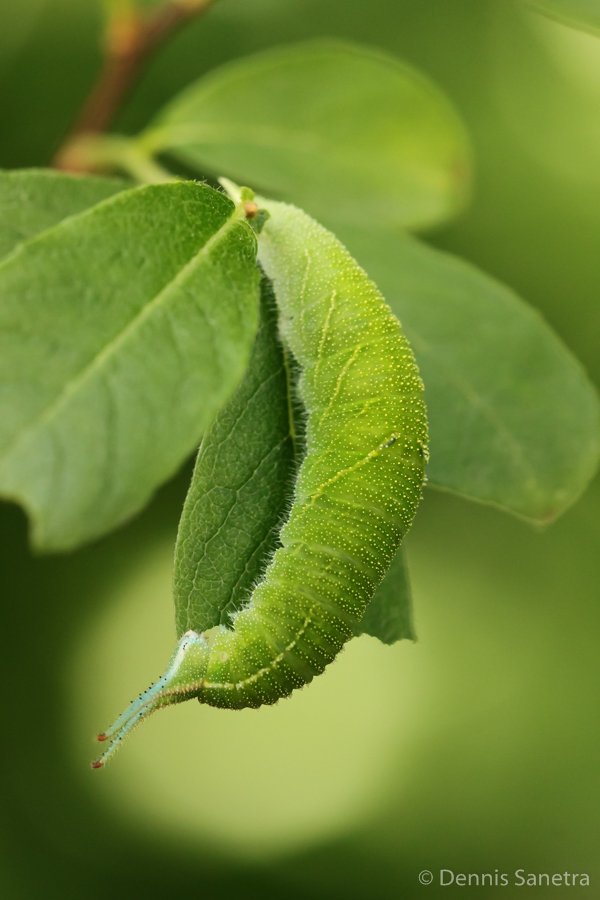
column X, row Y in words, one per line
column 122, row 331
column 32, row 200
column 241, row 488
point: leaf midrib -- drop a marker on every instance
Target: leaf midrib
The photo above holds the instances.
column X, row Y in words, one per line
column 208, row 135
column 110, row 349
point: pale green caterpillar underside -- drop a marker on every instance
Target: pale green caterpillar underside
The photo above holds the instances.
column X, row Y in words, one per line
column 356, row 492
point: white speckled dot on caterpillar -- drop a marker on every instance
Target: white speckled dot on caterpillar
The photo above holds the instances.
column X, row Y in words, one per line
column 356, row 492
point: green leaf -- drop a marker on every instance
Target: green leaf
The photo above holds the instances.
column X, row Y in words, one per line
column 581, row 14
column 513, row 419
column 122, row 331
column 349, row 134
column 241, row 489
column 389, row 614
column 32, row 200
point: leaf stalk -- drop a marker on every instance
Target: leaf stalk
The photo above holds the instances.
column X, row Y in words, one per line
column 107, row 153
column 131, row 38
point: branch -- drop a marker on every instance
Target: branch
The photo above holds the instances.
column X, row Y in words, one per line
column 131, row 41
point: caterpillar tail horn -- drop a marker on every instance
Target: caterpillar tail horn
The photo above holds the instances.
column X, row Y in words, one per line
column 181, row 681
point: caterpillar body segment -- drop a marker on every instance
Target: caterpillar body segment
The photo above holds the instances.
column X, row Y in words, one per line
column 357, row 488
column 361, row 479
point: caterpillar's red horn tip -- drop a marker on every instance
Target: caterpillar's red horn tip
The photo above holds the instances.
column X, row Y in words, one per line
column 102, row 737
column 98, row 764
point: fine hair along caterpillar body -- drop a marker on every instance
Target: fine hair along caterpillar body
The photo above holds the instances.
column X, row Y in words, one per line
column 355, row 496
column 242, row 488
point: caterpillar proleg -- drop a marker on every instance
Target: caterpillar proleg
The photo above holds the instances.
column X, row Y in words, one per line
column 355, row 495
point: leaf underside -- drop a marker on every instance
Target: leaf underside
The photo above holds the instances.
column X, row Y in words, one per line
column 122, row 331
column 389, row 614
column 241, row 488
column 349, row 134
column 513, row 419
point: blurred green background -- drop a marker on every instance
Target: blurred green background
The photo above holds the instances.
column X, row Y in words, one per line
column 473, row 750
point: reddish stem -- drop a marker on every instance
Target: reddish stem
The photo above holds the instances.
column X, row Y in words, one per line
column 128, row 48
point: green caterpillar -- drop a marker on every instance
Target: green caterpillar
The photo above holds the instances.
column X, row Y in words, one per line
column 356, row 492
